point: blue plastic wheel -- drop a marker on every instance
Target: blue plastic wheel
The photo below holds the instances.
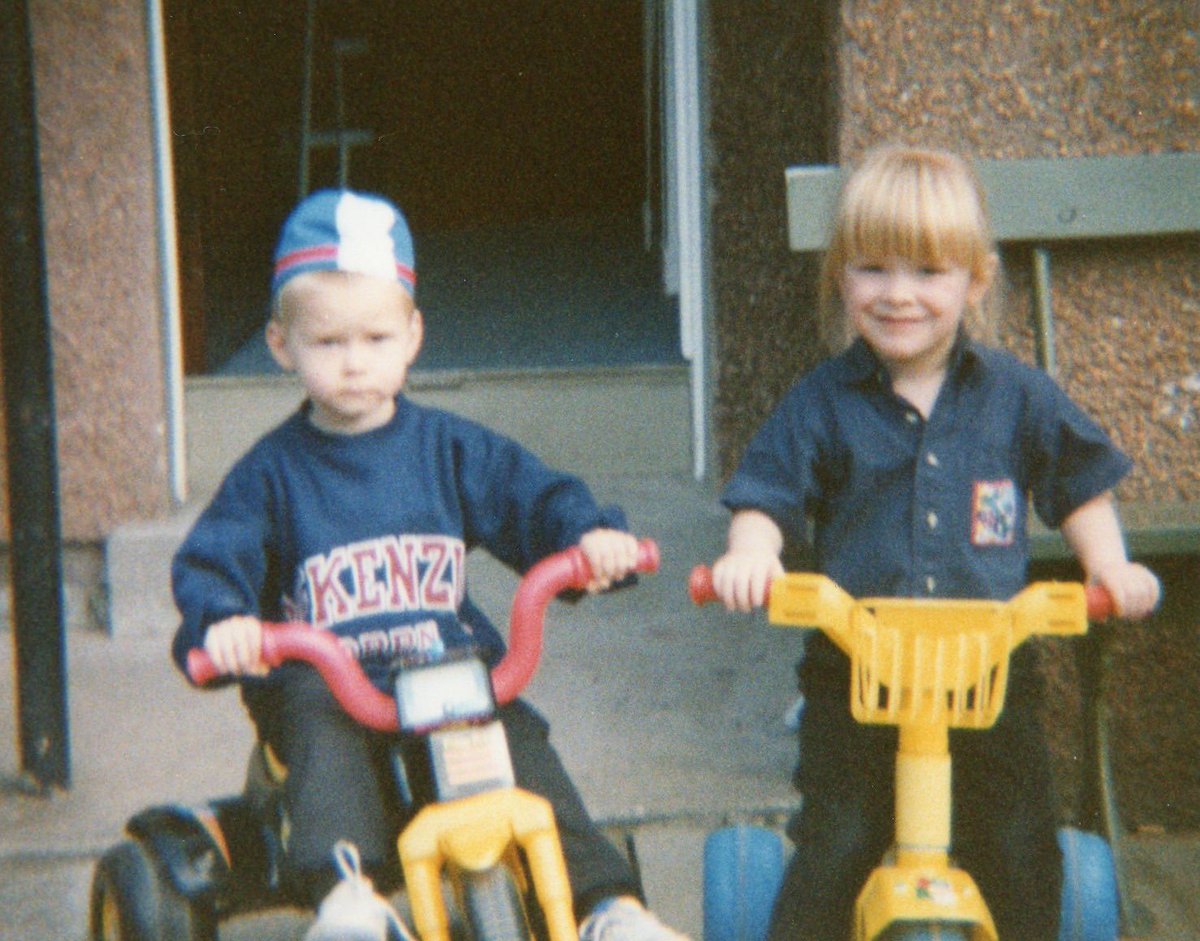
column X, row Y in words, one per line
column 743, row 868
column 1090, row 900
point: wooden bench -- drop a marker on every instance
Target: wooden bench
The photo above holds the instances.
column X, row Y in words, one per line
column 1153, row 530
column 1041, row 200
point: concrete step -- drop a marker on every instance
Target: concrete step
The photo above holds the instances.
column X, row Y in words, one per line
column 137, row 572
column 597, row 420
column 594, row 422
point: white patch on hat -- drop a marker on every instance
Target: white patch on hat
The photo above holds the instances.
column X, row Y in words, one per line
column 365, row 243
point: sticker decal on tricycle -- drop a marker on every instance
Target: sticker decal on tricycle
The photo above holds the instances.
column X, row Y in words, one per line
column 936, row 889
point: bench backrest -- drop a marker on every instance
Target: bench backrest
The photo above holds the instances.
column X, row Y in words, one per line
column 1040, row 200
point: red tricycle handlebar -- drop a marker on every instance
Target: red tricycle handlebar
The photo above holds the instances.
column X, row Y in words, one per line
column 700, row 587
column 554, row 574
column 322, row 650
column 557, row 573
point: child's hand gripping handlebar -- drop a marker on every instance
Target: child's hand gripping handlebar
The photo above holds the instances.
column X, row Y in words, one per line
column 555, row 574
column 700, row 587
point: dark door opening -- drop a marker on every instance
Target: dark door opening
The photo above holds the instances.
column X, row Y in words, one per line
column 512, row 135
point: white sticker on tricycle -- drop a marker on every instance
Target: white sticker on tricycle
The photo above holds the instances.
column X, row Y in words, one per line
column 468, row 757
column 936, row 890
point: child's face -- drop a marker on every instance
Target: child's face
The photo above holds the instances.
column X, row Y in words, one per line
column 351, row 339
column 907, row 312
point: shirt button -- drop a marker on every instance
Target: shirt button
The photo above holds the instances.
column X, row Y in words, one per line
column 911, row 417
column 932, row 519
column 930, row 584
column 931, row 459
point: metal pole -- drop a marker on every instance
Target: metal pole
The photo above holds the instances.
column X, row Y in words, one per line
column 1043, row 310
column 37, row 606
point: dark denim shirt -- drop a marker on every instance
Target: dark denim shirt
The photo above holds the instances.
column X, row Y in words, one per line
column 906, row 507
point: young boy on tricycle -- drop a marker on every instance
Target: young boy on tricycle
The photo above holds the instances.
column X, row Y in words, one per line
column 357, row 515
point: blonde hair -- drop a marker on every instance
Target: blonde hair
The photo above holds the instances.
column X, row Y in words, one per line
column 925, row 206
column 284, row 301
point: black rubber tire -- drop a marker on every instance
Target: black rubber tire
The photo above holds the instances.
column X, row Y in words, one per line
column 132, row 900
column 493, row 908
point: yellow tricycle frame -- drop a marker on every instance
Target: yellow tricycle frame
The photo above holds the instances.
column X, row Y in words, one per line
column 925, row 666
column 474, row 834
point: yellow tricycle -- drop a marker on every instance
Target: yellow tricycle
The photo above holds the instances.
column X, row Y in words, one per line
column 925, row 666
column 490, row 846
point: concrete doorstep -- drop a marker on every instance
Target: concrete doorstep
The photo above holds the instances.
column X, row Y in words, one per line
column 137, row 574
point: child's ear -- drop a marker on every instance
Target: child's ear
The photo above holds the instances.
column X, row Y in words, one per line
column 416, row 334
column 277, row 344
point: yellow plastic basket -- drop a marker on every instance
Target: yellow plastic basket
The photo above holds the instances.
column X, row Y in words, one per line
column 927, row 661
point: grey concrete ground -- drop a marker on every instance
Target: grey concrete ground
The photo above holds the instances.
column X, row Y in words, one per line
column 656, row 708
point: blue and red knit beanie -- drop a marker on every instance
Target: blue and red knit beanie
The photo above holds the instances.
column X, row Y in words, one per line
column 339, row 230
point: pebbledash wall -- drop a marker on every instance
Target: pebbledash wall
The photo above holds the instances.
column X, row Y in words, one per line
column 97, row 177
column 788, row 82
column 802, row 83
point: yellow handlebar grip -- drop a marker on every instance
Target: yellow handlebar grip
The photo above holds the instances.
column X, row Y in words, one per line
column 1050, row 608
column 803, row 599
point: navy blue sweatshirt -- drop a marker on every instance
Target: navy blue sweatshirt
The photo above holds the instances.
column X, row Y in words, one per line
column 367, row 535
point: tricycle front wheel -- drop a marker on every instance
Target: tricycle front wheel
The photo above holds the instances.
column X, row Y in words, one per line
column 492, row 905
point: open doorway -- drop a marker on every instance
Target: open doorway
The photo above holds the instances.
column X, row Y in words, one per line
column 514, row 136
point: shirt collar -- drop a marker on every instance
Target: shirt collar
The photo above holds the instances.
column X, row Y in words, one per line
column 861, row 366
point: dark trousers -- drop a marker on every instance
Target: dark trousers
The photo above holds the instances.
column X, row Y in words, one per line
column 1004, row 813
column 340, row 786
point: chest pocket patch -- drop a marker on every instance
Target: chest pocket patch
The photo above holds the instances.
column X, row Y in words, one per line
column 994, row 513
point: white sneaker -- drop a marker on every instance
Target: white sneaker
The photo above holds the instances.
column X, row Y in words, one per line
column 625, row 919
column 353, row 911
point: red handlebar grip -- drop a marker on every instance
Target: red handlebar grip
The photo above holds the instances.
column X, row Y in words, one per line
column 700, row 585
column 648, row 556
column 565, row 570
column 200, row 669
column 1100, row 606
column 341, row 672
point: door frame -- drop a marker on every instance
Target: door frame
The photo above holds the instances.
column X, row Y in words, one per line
column 684, row 221
column 168, row 255
column 685, row 256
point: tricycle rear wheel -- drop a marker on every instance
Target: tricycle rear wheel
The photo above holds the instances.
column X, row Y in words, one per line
column 1090, row 896
column 133, row 900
